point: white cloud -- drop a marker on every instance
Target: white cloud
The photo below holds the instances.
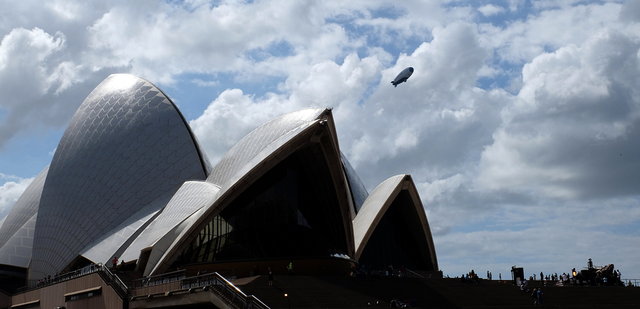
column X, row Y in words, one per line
column 432, row 122
column 208, row 39
column 551, row 138
column 490, row 10
column 570, row 133
column 231, row 116
column 548, row 238
column 549, row 30
column 10, row 191
column 40, row 87
column 24, row 74
column 234, row 114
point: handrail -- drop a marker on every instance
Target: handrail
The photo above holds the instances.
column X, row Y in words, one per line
column 416, row 274
column 224, row 289
column 33, row 284
column 160, row 279
column 216, row 282
column 631, row 282
column 258, row 303
column 122, row 288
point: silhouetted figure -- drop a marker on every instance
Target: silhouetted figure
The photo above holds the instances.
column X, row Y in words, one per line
column 290, row 268
column 539, row 296
column 534, row 296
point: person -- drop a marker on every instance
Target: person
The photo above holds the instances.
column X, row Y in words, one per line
column 539, row 296
column 534, row 296
column 290, row 267
column 590, row 264
column 114, row 262
column 270, row 276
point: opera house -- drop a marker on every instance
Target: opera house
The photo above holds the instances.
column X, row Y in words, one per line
column 128, row 182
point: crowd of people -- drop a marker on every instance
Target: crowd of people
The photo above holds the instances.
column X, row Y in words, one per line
column 470, row 277
column 363, row 271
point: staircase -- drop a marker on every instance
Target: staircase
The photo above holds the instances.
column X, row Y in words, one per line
column 121, row 289
column 170, row 290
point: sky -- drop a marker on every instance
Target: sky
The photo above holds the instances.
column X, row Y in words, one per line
column 520, row 124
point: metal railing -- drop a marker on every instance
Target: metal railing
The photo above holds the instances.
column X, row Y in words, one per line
column 114, row 281
column 159, row 279
column 225, row 290
column 109, row 277
column 32, row 284
column 213, row 282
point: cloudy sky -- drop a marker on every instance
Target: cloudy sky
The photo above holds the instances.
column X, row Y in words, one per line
column 520, row 124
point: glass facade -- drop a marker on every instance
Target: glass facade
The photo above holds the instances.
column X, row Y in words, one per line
column 398, row 239
column 291, row 211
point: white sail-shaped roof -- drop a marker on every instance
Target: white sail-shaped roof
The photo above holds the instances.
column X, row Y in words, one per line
column 24, row 208
column 128, row 179
column 17, row 250
column 126, row 146
column 260, row 143
column 260, row 150
column 377, row 205
column 116, row 241
column 192, row 196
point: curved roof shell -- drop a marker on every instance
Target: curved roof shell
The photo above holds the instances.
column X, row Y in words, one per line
column 192, row 196
column 24, row 208
column 17, row 250
column 128, row 179
column 114, row 242
column 376, row 207
column 126, row 146
column 260, row 151
column 258, row 144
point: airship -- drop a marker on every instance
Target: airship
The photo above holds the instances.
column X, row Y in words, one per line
column 402, row 77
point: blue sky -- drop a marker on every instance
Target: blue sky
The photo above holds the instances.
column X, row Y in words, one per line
column 519, row 125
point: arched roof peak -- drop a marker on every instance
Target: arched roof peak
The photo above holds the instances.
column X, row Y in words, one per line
column 377, row 205
column 126, row 146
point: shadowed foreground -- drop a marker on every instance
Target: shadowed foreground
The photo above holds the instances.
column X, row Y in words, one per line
column 340, row 292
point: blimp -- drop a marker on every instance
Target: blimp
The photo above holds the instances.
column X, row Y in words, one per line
column 403, row 76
